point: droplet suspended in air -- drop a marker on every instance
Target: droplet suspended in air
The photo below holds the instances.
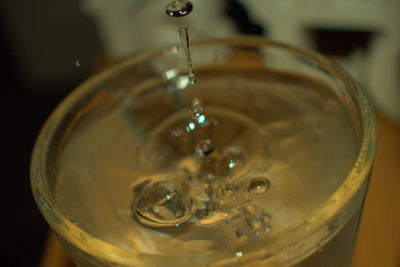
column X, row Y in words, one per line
column 77, row 63
column 259, row 186
column 179, row 8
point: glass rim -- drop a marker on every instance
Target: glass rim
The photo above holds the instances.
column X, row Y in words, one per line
column 101, row 249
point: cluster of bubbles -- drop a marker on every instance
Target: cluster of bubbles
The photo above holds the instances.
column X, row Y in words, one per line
column 205, row 196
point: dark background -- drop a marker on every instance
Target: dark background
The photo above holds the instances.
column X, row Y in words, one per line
column 40, row 42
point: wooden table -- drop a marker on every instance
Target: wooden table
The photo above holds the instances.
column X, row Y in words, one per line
column 379, row 238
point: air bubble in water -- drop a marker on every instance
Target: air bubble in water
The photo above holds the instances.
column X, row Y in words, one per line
column 204, row 147
column 179, row 8
column 259, row 186
column 162, row 204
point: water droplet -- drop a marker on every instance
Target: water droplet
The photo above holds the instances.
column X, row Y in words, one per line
column 162, row 204
column 204, row 147
column 201, row 118
column 197, row 106
column 179, row 8
column 239, row 254
column 192, row 79
column 259, row 186
column 77, row 63
column 232, row 163
column 231, row 159
column 191, row 126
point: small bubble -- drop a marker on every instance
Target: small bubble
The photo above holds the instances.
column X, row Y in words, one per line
column 179, row 8
column 229, row 241
column 204, row 147
column 77, row 63
column 259, row 185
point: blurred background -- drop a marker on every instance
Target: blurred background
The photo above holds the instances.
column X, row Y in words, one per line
column 48, row 47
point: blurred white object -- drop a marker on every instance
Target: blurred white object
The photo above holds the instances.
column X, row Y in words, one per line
column 131, row 25
column 378, row 70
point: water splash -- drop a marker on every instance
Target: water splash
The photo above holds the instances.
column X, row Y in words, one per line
column 161, row 204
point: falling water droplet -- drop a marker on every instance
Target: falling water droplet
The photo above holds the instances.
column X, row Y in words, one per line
column 77, row 63
column 179, row 8
column 259, row 186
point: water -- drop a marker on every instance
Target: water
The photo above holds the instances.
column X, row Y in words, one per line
column 179, row 8
column 144, row 174
column 184, row 36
